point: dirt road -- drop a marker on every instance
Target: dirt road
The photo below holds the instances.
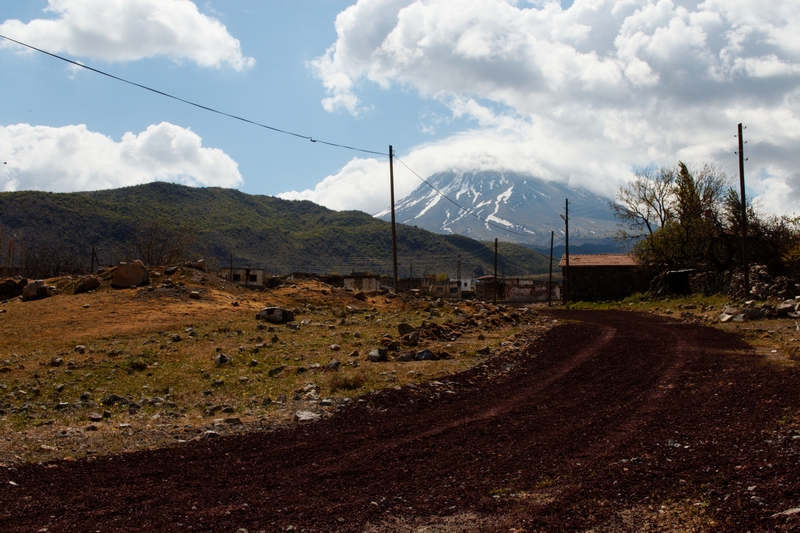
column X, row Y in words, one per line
column 612, row 422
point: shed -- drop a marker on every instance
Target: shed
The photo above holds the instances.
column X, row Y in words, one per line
column 596, row 277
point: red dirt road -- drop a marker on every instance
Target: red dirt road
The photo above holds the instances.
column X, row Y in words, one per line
column 617, row 422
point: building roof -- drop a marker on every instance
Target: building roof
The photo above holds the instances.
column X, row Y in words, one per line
column 599, row 260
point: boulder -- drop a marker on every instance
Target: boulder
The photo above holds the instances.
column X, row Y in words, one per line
column 36, row 290
column 11, row 288
column 425, row 355
column 404, row 328
column 275, row 315
column 379, row 355
column 86, row 284
column 130, row 275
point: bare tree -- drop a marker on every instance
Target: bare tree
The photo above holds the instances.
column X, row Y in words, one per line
column 646, row 204
column 159, row 243
column 49, row 261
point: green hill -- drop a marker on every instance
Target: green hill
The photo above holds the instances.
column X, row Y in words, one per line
column 258, row 231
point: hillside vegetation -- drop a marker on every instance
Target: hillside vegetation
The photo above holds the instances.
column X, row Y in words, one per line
column 257, row 231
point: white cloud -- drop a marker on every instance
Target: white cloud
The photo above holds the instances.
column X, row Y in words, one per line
column 592, row 91
column 72, row 158
column 128, row 30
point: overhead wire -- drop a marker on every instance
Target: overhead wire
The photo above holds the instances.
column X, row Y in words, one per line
column 189, row 102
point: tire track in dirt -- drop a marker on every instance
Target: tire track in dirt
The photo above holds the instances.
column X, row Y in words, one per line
column 560, row 423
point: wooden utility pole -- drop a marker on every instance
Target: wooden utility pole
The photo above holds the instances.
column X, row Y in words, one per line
column 394, row 229
column 550, row 279
column 566, row 253
column 744, row 216
column 458, row 276
column 494, row 300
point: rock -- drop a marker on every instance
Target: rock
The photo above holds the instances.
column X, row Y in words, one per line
column 95, row 417
column 175, row 338
column 130, row 275
column 724, row 317
column 354, row 353
column 170, row 270
column 783, row 309
column 275, row 315
column 425, row 355
column 56, row 361
column 275, row 371
column 194, row 295
column 435, row 313
column 361, row 296
column 412, row 339
column 379, row 355
column 222, row 359
column 218, row 383
column 306, row 416
column 333, row 365
column 405, row 357
column 753, row 313
column 81, row 349
column 200, row 265
column 11, row 288
column 404, row 328
column 113, row 399
column 335, row 347
column 209, row 434
column 253, row 362
column 86, row 284
column 233, row 421
column 36, row 290
column 484, row 351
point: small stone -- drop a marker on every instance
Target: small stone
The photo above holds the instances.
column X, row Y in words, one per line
column 233, row 421
column 253, row 362
column 194, row 295
column 91, row 427
column 217, row 383
column 81, row 349
column 333, row 365
column 209, row 434
column 306, row 416
column 275, row 371
column 175, row 338
column 222, row 359
column 95, row 417
column 484, row 351
column 335, row 347
column 56, row 361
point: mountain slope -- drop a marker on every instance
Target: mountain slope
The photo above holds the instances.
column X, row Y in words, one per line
column 259, row 231
column 517, row 208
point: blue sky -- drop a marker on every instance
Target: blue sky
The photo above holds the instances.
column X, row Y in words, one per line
column 581, row 93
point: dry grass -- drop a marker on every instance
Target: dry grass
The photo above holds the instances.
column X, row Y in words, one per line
column 129, row 350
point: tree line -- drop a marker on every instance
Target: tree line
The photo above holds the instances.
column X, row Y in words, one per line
column 676, row 218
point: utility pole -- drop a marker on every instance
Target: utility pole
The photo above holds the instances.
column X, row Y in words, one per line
column 566, row 253
column 394, row 230
column 458, row 275
column 494, row 300
column 411, row 275
column 550, row 279
column 744, row 216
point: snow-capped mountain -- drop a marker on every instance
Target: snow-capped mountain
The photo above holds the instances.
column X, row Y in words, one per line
column 511, row 207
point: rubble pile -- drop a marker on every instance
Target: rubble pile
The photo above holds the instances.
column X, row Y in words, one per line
column 762, row 286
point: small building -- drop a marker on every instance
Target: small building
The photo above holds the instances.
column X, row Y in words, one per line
column 599, row 277
column 247, row 277
column 362, row 281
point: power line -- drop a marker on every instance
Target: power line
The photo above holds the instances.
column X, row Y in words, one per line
column 189, row 102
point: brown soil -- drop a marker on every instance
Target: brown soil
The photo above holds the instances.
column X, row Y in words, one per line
column 612, row 421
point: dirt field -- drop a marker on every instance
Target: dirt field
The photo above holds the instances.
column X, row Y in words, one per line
column 610, row 421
